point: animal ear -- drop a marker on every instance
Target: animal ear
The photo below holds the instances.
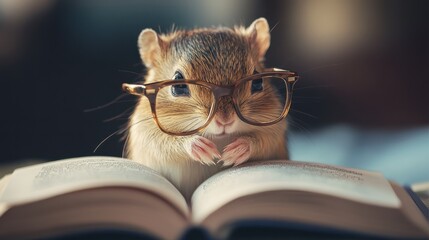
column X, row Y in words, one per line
column 150, row 45
column 259, row 34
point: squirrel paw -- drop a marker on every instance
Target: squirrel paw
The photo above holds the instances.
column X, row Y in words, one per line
column 202, row 150
column 236, row 152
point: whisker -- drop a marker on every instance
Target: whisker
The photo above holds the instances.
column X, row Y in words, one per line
column 296, row 123
column 172, row 114
column 137, row 64
column 303, row 113
column 126, row 71
column 118, row 116
column 119, row 131
column 105, row 139
column 126, row 101
column 194, row 124
column 107, row 104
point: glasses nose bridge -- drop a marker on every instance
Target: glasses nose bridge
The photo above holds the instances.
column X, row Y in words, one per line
column 222, row 91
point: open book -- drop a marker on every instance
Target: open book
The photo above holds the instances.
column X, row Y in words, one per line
column 285, row 197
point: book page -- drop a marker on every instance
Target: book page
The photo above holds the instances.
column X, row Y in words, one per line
column 352, row 184
column 54, row 178
column 3, row 183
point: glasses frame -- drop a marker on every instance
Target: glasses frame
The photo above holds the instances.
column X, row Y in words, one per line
column 150, row 90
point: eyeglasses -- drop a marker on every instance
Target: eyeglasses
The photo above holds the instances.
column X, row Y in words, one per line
column 184, row 107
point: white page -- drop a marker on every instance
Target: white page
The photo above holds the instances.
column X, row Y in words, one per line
column 54, row 178
column 356, row 185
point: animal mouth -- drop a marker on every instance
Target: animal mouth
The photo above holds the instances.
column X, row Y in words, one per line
column 220, row 135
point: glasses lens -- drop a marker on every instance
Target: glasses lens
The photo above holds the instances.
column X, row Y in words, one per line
column 182, row 108
column 262, row 100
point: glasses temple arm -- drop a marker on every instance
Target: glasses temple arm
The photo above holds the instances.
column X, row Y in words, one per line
column 292, row 78
column 134, row 89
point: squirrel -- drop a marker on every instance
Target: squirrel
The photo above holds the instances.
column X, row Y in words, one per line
column 218, row 55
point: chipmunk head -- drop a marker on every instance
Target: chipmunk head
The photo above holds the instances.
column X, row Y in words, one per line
column 216, row 55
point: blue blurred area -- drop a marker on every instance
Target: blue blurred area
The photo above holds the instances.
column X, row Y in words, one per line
column 402, row 156
column 362, row 99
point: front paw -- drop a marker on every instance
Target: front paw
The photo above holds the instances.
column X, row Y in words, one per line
column 236, row 152
column 202, row 150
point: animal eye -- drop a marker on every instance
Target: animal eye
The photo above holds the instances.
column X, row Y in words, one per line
column 257, row 86
column 178, row 75
column 180, row 90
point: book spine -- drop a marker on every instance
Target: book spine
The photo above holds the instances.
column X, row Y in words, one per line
column 418, row 201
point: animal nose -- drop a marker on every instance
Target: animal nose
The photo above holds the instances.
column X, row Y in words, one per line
column 224, row 122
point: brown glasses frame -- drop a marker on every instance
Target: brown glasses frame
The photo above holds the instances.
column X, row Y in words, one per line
column 151, row 90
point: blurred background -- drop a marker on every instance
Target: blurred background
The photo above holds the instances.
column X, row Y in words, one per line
column 362, row 100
